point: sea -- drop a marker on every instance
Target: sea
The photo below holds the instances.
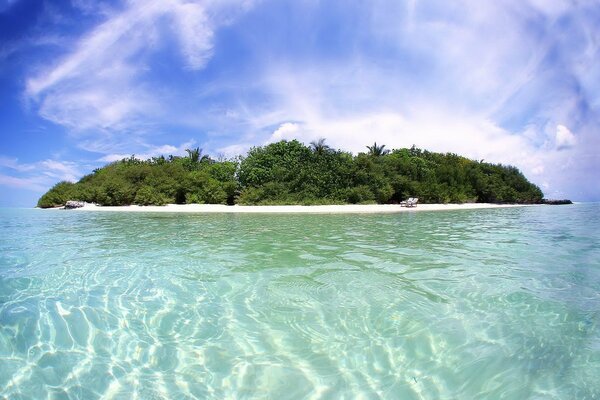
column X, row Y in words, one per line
column 468, row 304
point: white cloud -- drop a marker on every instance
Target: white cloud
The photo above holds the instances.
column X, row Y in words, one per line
column 351, row 114
column 432, row 129
column 151, row 151
column 349, row 122
column 63, row 170
column 102, row 84
column 13, row 163
column 538, row 170
column 564, row 138
column 552, row 8
column 34, row 184
column 37, row 176
column 234, row 149
column 66, row 169
column 286, row 131
column 195, row 34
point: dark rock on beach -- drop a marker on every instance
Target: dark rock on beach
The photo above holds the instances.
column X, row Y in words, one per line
column 71, row 204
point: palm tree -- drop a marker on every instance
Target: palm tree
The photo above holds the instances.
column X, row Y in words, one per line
column 319, row 146
column 194, row 154
column 377, row 150
column 160, row 160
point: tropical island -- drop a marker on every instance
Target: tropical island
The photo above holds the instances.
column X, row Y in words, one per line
column 291, row 173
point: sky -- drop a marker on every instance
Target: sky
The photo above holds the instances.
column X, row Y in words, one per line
column 84, row 83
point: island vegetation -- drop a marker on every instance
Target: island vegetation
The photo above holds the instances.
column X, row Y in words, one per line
column 289, row 172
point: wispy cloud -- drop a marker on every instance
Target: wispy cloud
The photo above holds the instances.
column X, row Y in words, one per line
column 13, row 163
column 233, row 150
column 34, row 184
column 151, row 151
column 564, row 138
column 38, row 176
column 63, row 170
column 103, row 84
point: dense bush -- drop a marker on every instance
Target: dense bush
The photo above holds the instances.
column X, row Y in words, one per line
column 288, row 172
column 149, row 195
column 58, row 195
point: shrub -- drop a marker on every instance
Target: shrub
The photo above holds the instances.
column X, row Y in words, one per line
column 58, row 195
column 360, row 194
column 148, row 195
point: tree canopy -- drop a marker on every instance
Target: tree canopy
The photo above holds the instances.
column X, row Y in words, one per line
column 289, row 172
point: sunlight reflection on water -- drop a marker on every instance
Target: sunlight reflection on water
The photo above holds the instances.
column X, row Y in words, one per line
column 467, row 304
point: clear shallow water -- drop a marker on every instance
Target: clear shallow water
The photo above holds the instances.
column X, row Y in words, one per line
column 489, row 304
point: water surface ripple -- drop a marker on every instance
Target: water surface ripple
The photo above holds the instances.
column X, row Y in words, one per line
column 501, row 303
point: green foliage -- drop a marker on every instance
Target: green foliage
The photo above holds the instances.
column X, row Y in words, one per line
column 279, row 162
column 116, row 191
column 57, row 196
column 288, row 172
column 250, row 196
column 149, row 195
column 202, row 188
column 360, row 194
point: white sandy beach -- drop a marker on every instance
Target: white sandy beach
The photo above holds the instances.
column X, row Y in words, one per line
column 327, row 209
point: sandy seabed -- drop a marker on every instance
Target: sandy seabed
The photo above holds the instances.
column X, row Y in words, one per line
column 325, row 209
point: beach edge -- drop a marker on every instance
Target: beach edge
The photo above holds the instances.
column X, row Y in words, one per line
column 295, row 209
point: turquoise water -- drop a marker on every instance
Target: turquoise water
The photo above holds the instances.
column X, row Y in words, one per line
column 500, row 303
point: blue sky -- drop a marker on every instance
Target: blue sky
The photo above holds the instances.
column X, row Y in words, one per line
column 86, row 82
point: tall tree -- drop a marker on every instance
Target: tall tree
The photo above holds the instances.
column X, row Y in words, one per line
column 377, row 150
column 318, row 146
column 194, row 154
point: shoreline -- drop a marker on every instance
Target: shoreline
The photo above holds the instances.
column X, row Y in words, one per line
column 294, row 209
